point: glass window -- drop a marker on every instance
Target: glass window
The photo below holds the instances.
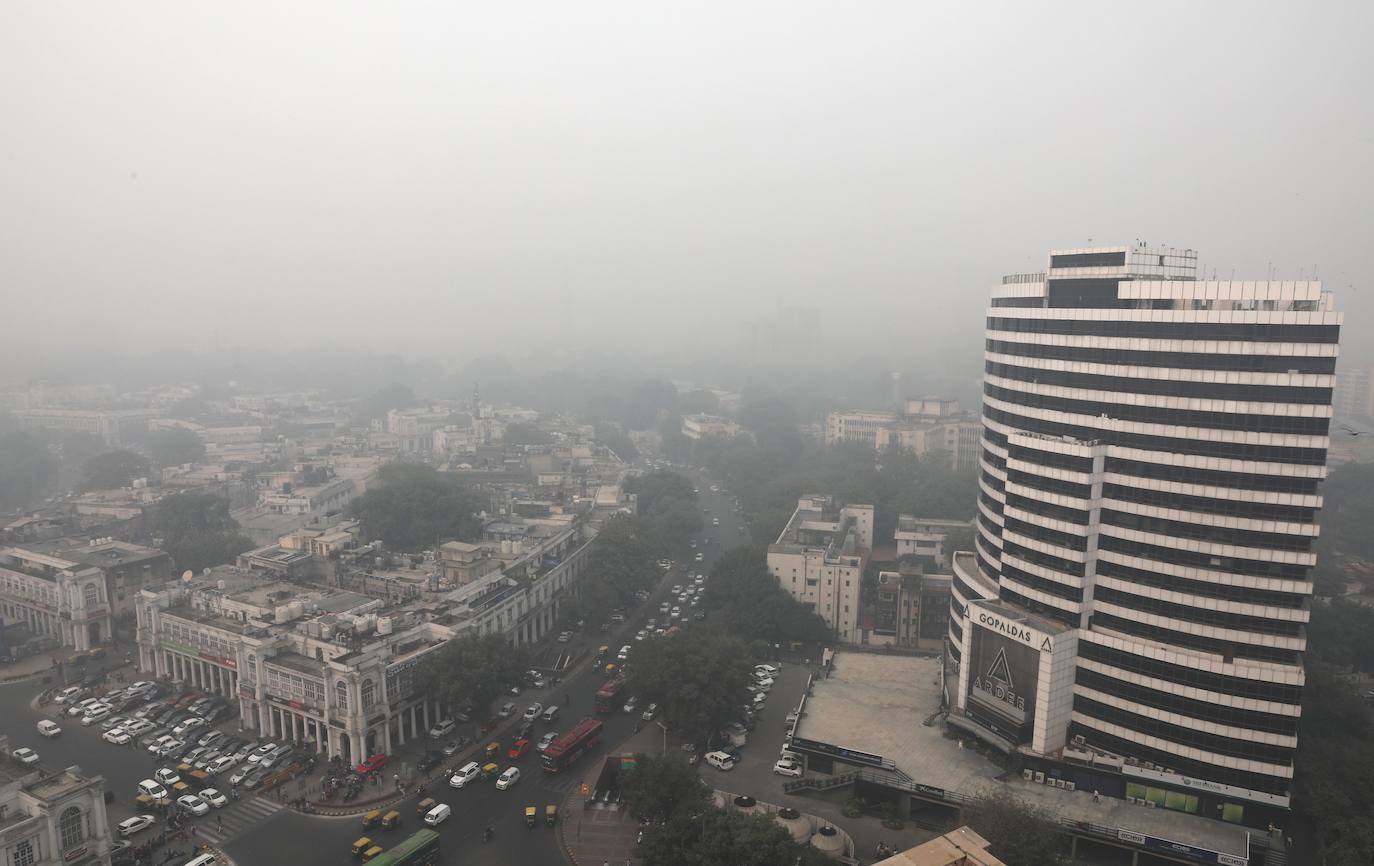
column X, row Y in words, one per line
column 369, row 693
column 24, row 854
column 69, row 827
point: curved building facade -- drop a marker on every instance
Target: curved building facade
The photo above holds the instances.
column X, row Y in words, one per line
column 1153, row 446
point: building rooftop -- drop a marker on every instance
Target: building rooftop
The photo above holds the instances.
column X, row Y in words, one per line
column 298, row 662
column 888, row 706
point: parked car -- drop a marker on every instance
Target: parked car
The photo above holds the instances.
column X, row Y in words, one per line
column 166, row 776
column 372, row 765
column 25, row 755
column 49, row 728
column 787, row 767
column 649, row 712
column 117, row 737
column 214, row 798
column 443, row 729
column 507, row 710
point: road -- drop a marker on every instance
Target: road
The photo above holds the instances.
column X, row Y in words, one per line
column 257, row 830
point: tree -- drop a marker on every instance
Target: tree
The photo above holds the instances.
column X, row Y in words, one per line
column 393, row 396
column 744, row 599
column 175, row 446
column 413, row 507
column 26, row 470
column 669, row 513
column 617, row 440
column 114, row 469
column 660, row 787
column 471, row 670
column 1017, row 832
column 721, row 836
column 696, row 676
column 196, row 530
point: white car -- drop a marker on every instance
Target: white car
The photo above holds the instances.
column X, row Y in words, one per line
column 464, row 774
column 188, row 726
column 95, row 713
column 787, row 767
column 214, row 798
column 532, row 712
column 443, row 729
column 546, row 741
column 25, row 756
column 138, row 726
column 193, row 804
column 117, row 736
column 221, row 764
column 624, row 653
column 130, row 826
column 641, row 634
column 167, row 776
column 631, row 704
column 49, row 728
column 649, row 712
column 157, row 745
column 113, row 722
column 508, row 778
column 80, row 707
column 67, row 694
column 720, row 760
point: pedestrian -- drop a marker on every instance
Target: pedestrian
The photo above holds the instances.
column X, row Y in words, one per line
column 219, row 821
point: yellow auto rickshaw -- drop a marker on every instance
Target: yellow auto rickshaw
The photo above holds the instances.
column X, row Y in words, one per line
column 550, row 815
column 184, row 769
column 611, row 668
column 424, row 806
column 391, row 820
column 494, row 750
column 374, row 851
column 180, row 789
column 360, row 846
column 489, row 770
column 602, row 650
column 372, row 819
column 529, row 816
column 145, row 802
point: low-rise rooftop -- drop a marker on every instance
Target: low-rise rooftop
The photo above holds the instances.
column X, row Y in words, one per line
column 889, row 707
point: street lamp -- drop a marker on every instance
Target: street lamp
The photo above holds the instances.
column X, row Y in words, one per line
column 665, row 738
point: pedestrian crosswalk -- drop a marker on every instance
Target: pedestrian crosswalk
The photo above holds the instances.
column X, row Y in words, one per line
column 224, row 824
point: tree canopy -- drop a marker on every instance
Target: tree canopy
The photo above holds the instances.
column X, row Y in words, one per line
column 471, row 670
column 661, row 786
column 1017, row 832
column 393, row 396
column 745, row 600
column 412, row 507
column 669, row 512
column 723, row 836
column 26, row 470
column 175, row 446
column 196, row 530
column 696, row 676
column 114, row 469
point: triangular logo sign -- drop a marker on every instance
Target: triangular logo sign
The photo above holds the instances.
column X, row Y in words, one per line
column 1000, row 670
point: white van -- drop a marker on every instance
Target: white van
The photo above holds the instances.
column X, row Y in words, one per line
column 550, row 714
column 436, row 816
column 49, row 728
column 203, row 860
column 720, row 760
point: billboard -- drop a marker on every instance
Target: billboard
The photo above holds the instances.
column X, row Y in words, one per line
column 1003, row 675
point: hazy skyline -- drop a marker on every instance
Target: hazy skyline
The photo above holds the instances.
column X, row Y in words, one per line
column 449, row 181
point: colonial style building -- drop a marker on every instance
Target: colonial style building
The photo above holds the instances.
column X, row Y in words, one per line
column 51, row 819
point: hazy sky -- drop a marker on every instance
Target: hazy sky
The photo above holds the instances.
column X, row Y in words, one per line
column 450, row 178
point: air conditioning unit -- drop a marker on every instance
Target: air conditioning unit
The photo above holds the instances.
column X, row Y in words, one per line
column 884, row 578
column 1133, row 762
column 1028, row 775
column 1149, row 804
column 1071, row 785
column 1059, row 783
column 1149, row 765
column 1079, row 740
column 1130, row 799
column 1039, row 778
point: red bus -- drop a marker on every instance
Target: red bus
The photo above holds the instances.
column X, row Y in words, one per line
column 567, row 748
column 606, row 695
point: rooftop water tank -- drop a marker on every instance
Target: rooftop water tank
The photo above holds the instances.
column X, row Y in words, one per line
column 282, row 613
column 326, row 630
column 384, row 625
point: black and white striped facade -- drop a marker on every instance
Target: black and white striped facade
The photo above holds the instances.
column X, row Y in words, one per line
column 1153, row 445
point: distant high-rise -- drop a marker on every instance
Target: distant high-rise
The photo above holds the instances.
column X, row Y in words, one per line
column 1152, row 450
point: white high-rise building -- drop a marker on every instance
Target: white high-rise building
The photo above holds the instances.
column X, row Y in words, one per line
column 1152, row 450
